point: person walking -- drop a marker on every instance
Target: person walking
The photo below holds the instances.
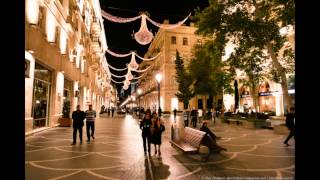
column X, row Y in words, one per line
column 145, row 126
column 158, row 128
column 174, row 113
column 193, row 115
column 112, row 111
column 78, row 116
column 290, row 125
column 214, row 115
column 90, row 119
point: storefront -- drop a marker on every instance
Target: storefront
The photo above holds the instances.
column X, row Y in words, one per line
column 41, row 96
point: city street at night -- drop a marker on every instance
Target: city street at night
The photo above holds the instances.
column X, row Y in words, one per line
column 117, row 153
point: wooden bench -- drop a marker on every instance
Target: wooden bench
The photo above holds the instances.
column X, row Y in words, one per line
column 191, row 140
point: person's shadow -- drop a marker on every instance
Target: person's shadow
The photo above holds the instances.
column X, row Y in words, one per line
column 155, row 169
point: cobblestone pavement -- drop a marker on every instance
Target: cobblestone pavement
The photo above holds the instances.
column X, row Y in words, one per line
column 117, row 153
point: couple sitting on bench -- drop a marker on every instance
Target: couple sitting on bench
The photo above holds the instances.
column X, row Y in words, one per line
column 210, row 140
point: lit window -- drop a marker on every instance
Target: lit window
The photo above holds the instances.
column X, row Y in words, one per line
column 199, row 42
column 185, row 41
column 173, row 40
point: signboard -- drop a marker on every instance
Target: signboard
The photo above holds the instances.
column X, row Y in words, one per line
column 245, row 95
column 269, row 93
column 27, row 68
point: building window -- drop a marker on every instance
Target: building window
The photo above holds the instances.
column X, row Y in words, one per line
column 185, row 41
column 173, row 40
column 199, row 42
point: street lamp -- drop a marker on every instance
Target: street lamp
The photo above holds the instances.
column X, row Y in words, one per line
column 159, row 78
column 139, row 91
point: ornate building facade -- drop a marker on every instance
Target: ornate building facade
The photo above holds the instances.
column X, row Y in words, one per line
column 64, row 56
column 167, row 42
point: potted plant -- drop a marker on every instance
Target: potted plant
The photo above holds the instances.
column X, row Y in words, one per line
column 65, row 121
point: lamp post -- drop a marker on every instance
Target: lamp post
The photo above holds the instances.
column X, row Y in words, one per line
column 139, row 91
column 159, row 78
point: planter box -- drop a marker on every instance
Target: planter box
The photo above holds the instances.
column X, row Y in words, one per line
column 65, row 122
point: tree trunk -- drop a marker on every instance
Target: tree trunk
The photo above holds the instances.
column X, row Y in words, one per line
column 254, row 97
column 284, row 84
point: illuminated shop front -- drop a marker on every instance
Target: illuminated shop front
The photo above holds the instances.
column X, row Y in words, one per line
column 41, row 96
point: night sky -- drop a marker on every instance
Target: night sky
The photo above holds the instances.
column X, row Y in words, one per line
column 119, row 35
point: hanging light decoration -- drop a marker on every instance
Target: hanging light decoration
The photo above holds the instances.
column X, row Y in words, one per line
column 126, row 82
column 131, row 53
column 125, row 87
column 129, row 76
column 133, row 64
column 143, row 36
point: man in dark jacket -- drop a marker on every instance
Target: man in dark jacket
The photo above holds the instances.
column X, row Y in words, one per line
column 78, row 116
column 290, row 125
column 209, row 140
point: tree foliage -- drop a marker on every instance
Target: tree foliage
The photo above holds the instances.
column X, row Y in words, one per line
column 183, row 79
column 254, row 26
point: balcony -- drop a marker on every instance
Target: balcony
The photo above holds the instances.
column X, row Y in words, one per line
column 95, row 27
column 95, row 45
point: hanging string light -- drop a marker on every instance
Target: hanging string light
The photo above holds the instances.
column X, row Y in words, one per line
column 143, row 36
column 148, row 59
column 133, row 64
column 128, row 54
column 118, row 55
column 116, row 81
column 125, row 87
column 129, row 76
column 116, row 69
column 139, row 71
column 119, row 76
column 168, row 26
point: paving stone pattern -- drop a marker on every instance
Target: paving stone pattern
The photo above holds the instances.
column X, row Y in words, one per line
column 117, row 153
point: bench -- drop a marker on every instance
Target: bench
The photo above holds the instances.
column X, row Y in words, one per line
column 191, row 140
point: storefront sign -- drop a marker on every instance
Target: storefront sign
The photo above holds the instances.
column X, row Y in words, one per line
column 270, row 93
column 27, row 68
column 244, row 95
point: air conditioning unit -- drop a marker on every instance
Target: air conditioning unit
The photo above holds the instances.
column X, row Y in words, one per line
column 27, row 68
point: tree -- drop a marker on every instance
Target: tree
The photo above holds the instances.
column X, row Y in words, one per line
column 256, row 24
column 209, row 74
column 183, row 79
column 253, row 65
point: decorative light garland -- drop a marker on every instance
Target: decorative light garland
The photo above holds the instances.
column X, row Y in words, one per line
column 133, row 64
column 148, row 59
column 118, row 76
column 143, row 36
column 116, row 69
column 118, row 55
column 128, row 54
column 139, row 71
column 116, row 81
